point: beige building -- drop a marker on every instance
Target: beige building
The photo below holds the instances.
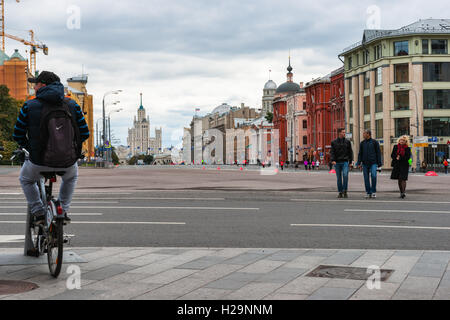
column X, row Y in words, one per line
column 395, row 79
column 139, row 139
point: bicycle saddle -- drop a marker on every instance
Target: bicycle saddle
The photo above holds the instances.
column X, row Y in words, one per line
column 49, row 175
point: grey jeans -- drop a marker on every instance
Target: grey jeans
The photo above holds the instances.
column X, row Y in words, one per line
column 30, row 175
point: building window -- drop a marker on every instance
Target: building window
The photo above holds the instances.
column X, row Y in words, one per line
column 425, row 49
column 357, row 60
column 401, row 100
column 377, row 52
column 379, row 102
column 367, row 80
column 436, row 99
column 305, row 124
column 439, row 47
column 379, row 79
column 401, row 73
column 304, row 105
column 367, row 105
column 350, row 106
column 379, row 129
column 366, row 57
column 436, row 71
column 305, row 140
column 401, row 48
column 437, row 127
column 366, row 125
column 401, row 127
column 350, row 62
column 350, row 85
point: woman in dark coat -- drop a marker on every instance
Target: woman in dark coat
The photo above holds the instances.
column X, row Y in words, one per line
column 400, row 164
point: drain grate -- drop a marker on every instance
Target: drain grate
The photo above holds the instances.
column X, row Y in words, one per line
column 352, row 273
column 15, row 287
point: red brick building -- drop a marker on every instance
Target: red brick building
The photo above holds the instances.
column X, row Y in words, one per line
column 318, row 93
column 337, row 101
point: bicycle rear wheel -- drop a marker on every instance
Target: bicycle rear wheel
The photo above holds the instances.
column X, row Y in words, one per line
column 55, row 247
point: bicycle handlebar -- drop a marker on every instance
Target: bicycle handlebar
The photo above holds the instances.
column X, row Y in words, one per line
column 20, row 152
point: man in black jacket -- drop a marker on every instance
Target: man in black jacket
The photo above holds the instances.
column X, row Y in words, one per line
column 369, row 158
column 341, row 157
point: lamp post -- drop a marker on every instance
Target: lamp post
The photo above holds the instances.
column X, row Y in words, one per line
column 97, row 134
column 109, row 131
column 104, row 117
column 417, row 122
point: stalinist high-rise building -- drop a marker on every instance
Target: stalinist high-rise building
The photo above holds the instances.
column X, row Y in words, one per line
column 139, row 140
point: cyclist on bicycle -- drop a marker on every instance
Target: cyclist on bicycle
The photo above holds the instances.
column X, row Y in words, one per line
column 33, row 133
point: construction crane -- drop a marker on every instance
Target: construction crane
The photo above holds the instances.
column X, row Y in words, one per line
column 34, row 46
column 33, row 49
column 2, row 23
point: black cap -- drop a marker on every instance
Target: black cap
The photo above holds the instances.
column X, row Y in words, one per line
column 45, row 77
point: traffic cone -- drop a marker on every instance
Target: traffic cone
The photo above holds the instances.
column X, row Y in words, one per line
column 431, row 174
column 332, row 171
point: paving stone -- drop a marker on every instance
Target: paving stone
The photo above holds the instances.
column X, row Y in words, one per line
column 286, row 296
column 228, row 252
column 263, row 251
column 417, row 288
column 262, row 266
column 202, row 263
column 373, row 258
column 305, row 262
column 320, row 252
column 217, row 271
column 286, row 255
column 148, row 259
column 303, row 285
column 108, row 272
column 136, row 253
column 343, row 257
column 408, row 253
column 127, row 292
column 233, row 281
column 206, row 294
column 253, row 291
column 428, row 270
column 245, row 258
column 282, row 275
column 443, row 291
column 326, row 293
column 104, row 252
column 168, row 276
column 174, row 290
column 345, row 283
column 401, row 265
column 386, row 291
column 77, row 295
column 171, row 251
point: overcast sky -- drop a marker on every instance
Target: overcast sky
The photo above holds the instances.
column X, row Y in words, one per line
column 184, row 54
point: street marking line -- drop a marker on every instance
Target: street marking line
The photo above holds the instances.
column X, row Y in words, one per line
column 107, row 222
column 160, row 208
column 11, row 238
column 367, row 201
column 369, row 226
column 394, row 211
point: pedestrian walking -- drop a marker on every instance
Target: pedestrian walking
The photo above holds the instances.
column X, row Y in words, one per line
column 317, row 164
column 369, row 158
column 446, row 166
column 306, row 165
column 282, row 165
column 424, row 166
column 341, row 156
column 401, row 154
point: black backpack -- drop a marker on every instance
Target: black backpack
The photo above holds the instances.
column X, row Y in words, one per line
column 60, row 136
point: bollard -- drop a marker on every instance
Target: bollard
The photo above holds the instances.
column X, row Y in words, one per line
column 28, row 242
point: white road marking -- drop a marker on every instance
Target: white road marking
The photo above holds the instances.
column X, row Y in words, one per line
column 12, row 238
column 369, row 226
column 368, row 201
column 159, row 208
column 107, row 222
column 10, row 193
column 394, row 211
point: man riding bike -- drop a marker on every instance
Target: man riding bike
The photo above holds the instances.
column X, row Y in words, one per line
column 35, row 129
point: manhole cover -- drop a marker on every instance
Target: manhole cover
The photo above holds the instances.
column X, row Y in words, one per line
column 351, row 273
column 14, row 287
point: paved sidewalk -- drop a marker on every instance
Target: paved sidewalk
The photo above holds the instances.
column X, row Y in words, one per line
column 235, row 273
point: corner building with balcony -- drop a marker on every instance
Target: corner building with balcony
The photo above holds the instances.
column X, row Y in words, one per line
column 395, row 79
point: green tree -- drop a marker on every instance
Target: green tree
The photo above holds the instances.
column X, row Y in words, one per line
column 269, row 117
column 114, row 157
column 148, row 159
column 9, row 110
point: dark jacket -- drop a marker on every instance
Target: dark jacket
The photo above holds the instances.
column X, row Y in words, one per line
column 369, row 153
column 27, row 128
column 400, row 168
column 341, row 150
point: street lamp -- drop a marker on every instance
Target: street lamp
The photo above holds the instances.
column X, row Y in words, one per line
column 417, row 122
column 104, row 116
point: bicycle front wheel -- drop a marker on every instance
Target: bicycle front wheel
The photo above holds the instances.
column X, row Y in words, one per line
column 55, row 248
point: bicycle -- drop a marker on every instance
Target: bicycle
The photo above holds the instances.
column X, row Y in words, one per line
column 48, row 237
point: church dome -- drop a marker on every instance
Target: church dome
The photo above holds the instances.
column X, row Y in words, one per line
column 222, row 109
column 288, row 87
column 270, row 85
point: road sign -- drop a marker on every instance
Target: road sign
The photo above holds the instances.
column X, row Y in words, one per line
column 421, row 145
column 349, row 135
column 434, row 146
column 420, row 140
column 433, row 139
column 440, row 154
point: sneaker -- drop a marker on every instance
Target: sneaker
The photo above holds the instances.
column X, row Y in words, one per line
column 368, row 196
column 374, row 195
column 66, row 218
column 403, row 196
column 340, row 196
column 345, row 195
column 39, row 217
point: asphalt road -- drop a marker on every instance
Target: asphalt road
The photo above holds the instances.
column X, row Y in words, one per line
column 250, row 219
